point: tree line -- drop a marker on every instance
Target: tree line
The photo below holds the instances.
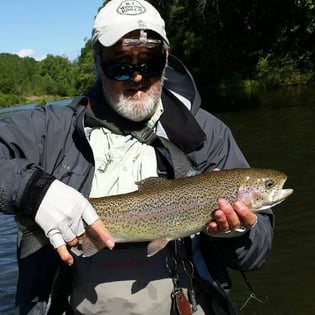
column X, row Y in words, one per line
column 226, row 44
column 243, row 42
column 23, row 79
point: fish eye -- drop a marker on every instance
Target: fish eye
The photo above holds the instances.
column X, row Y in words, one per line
column 269, row 183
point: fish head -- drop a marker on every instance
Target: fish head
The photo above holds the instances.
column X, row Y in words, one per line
column 261, row 189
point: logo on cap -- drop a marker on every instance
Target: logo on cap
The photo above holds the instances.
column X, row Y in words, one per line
column 131, row 8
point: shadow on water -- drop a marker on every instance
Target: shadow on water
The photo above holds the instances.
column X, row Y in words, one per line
column 274, row 129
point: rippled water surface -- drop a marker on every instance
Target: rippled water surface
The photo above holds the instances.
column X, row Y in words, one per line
column 8, row 268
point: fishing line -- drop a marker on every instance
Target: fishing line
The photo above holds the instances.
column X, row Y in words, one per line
column 252, row 293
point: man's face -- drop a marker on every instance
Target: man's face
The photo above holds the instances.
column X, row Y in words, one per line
column 135, row 98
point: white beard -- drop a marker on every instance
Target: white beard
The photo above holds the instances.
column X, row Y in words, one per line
column 131, row 109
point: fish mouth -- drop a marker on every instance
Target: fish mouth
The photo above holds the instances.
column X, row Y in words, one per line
column 284, row 194
column 281, row 196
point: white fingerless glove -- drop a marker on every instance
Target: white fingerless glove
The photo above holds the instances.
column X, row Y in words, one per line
column 62, row 212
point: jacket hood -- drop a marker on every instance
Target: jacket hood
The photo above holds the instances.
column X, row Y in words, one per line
column 178, row 79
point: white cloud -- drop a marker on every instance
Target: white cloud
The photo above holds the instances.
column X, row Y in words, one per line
column 40, row 58
column 28, row 52
column 25, row 52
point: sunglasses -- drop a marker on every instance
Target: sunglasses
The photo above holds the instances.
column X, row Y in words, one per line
column 124, row 71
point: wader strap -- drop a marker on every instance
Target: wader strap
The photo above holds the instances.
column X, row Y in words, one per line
column 182, row 165
column 177, row 164
column 200, row 265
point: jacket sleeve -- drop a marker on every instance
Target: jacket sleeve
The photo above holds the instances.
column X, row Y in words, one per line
column 24, row 178
column 248, row 251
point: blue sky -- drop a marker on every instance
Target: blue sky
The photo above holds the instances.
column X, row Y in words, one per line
column 36, row 28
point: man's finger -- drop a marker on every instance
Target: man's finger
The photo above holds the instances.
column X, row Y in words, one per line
column 99, row 228
column 80, row 229
column 230, row 214
column 221, row 220
column 56, row 238
column 248, row 217
column 64, row 255
column 89, row 214
column 73, row 242
column 212, row 228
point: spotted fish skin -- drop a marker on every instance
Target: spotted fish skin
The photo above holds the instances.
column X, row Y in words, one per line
column 162, row 210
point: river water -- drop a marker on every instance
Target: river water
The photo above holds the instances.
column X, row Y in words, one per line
column 274, row 129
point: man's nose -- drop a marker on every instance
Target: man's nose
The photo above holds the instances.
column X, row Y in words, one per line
column 136, row 76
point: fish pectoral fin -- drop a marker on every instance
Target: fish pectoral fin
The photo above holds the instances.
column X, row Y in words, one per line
column 91, row 244
column 155, row 246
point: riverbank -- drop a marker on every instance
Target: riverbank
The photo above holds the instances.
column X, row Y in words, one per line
column 10, row 100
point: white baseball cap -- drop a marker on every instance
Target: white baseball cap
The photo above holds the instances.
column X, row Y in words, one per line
column 119, row 17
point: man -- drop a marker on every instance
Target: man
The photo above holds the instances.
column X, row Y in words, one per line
column 142, row 119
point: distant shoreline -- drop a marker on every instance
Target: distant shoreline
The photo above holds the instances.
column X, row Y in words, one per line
column 32, row 99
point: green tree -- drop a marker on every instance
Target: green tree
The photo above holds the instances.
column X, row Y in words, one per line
column 16, row 74
column 225, row 41
column 85, row 72
column 59, row 71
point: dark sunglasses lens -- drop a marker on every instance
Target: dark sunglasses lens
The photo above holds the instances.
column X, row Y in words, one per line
column 116, row 71
column 123, row 72
column 152, row 68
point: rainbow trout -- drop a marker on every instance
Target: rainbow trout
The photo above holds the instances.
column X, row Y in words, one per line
column 163, row 210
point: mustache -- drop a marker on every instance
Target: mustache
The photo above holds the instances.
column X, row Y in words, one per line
column 141, row 84
column 144, row 83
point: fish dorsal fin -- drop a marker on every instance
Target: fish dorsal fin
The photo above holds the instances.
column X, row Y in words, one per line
column 150, row 182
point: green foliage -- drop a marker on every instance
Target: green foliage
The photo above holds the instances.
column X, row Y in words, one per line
column 243, row 40
column 13, row 71
column 58, row 75
column 21, row 78
column 273, row 71
column 85, row 69
column 10, row 99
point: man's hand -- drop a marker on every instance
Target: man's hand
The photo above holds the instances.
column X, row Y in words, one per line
column 231, row 217
column 62, row 214
column 99, row 228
